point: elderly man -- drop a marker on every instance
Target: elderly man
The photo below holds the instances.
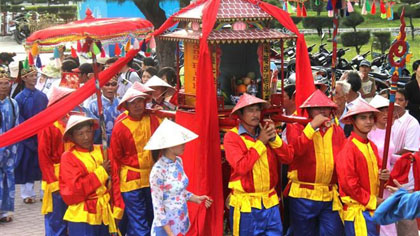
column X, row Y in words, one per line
column 9, row 118
column 342, row 88
column 253, row 151
column 131, row 164
column 109, row 104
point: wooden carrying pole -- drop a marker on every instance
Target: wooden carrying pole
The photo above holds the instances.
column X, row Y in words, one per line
column 399, row 49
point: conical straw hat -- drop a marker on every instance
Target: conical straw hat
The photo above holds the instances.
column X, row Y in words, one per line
column 129, row 96
column 158, row 82
column 318, row 99
column 58, row 93
column 169, row 134
column 141, row 87
column 248, row 100
column 359, row 107
column 77, row 119
column 379, row 102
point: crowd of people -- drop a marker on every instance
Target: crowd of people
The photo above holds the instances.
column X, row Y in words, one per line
column 329, row 169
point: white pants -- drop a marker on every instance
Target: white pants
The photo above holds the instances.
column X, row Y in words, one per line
column 27, row 190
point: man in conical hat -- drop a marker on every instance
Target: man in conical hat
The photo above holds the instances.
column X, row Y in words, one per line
column 132, row 164
column 161, row 94
column 253, row 150
column 312, row 189
column 358, row 170
column 31, row 101
column 83, row 181
column 170, row 203
column 9, row 118
column 51, row 147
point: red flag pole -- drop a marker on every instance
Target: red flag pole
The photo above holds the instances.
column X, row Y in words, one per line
column 401, row 53
column 334, row 51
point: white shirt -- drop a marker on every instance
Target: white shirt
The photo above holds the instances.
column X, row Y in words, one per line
column 124, row 83
column 406, row 133
column 348, row 106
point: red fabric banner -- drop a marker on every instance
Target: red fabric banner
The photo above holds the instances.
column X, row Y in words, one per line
column 33, row 125
column 304, row 80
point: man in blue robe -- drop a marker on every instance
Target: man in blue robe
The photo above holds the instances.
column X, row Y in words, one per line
column 109, row 104
column 31, row 101
column 9, row 118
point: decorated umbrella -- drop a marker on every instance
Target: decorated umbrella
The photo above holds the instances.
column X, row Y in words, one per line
column 94, row 32
column 98, row 29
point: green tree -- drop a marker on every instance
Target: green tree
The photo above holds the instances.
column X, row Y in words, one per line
column 383, row 41
column 355, row 39
column 412, row 10
column 318, row 6
column 353, row 20
column 317, row 22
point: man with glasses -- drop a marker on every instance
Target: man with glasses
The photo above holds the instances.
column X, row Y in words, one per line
column 110, row 111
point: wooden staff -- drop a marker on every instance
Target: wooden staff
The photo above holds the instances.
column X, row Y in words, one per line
column 394, row 51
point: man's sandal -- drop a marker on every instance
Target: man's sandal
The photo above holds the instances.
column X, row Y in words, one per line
column 29, row 200
column 6, row 219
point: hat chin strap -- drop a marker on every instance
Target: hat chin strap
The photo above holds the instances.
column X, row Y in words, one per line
column 355, row 127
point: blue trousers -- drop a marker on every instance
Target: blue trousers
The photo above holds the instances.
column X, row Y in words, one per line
column 139, row 210
column 7, row 180
column 54, row 223
column 312, row 218
column 259, row 222
column 370, row 226
column 79, row 229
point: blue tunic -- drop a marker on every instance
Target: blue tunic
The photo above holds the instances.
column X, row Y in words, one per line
column 31, row 102
column 9, row 118
column 110, row 114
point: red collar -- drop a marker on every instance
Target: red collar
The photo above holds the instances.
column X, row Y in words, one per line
column 363, row 140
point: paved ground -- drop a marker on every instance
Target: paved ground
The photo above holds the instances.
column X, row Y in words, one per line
column 27, row 218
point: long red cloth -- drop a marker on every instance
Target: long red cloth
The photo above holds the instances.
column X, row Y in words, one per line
column 45, row 118
column 304, row 80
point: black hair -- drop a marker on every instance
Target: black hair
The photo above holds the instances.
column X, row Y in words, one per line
column 68, row 65
column 111, row 60
column 353, row 78
column 151, row 70
column 86, row 68
column 170, row 74
column 148, row 61
column 416, row 64
column 403, row 92
column 156, row 154
column 290, row 90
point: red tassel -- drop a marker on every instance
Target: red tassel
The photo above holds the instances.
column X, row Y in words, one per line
column 373, row 8
column 85, row 47
column 298, row 11
column 304, row 10
column 73, row 52
column 30, row 59
column 117, row 50
column 79, row 46
column 103, row 52
column 383, row 8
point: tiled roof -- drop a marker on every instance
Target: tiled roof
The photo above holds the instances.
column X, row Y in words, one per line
column 229, row 35
column 228, row 10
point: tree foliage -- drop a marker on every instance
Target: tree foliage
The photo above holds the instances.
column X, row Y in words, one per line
column 317, row 22
column 412, row 10
column 383, row 41
column 355, row 39
column 353, row 20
